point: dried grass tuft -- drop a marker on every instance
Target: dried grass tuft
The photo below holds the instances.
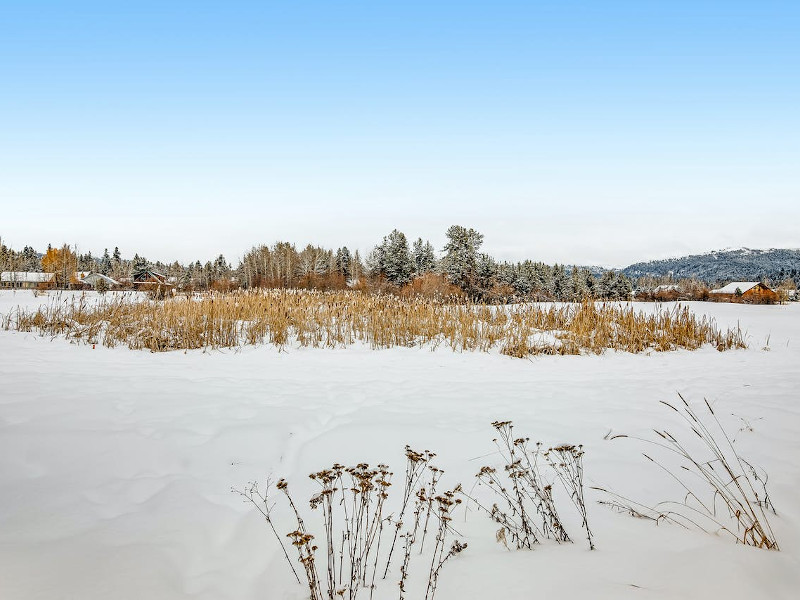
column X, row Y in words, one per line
column 722, row 492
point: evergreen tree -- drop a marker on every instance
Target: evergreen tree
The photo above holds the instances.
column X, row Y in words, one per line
column 461, row 256
column 623, row 288
column 185, row 282
column 578, row 279
column 105, row 263
column 222, row 269
column 29, row 259
column 423, row 257
column 395, row 258
column 591, row 284
column 605, row 285
column 344, row 262
column 524, row 279
column 139, row 268
column 375, row 261
column 561, row 284
column 485, row 271
column 116, row 263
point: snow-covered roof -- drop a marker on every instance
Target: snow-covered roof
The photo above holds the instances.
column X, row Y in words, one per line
column 731, row 288
column 26, row 277
column 92, row 279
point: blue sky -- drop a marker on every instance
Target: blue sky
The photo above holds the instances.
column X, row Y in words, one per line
column 576, row 132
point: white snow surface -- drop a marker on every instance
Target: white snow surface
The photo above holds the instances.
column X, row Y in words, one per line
column 116, row 465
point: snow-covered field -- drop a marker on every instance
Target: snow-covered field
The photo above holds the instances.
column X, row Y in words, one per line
column 116, row 465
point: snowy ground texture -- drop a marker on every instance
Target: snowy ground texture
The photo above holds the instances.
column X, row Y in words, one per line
column 116, row 465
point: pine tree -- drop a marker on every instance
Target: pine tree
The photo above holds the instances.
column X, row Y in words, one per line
column 222, row 269
column 105, row 263
column 485, row 271
column 116, row 263
column 605, row 285
column 29, row 259
column 623, row 288
column 423, row 257
column 578, row 280
column 139, row 268
column 396, row 263
column 185, row 281
column 561, row 284
column 461, row 256
column 344, row 262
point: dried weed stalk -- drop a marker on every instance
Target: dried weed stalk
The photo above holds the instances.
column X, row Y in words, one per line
column 355, row 519
column 527, row 510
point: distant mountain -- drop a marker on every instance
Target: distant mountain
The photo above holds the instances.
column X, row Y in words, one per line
column 741, row 264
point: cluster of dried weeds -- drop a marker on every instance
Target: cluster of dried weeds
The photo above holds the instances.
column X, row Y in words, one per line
column 352, row 547
column 526, row 511
column 722, row 492
column 342, row 318
column 360, row 533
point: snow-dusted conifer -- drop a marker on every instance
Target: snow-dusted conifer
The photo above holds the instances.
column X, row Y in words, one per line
column 622, row 288
column 185, row 282
column 485, row 271
column 396, row 262
column 423, row 257
column 561, row 284
column 344, row 262
column 105, row 263
column 461, row 256
column 578, row 284
column 139, row 267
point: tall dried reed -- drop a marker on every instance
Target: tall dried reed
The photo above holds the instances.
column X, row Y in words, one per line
column 342, row 318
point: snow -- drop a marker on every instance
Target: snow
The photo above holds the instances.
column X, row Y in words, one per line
column 116, row 465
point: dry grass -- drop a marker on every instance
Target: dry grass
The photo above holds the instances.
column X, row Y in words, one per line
column 722, row 492
column 342, row 318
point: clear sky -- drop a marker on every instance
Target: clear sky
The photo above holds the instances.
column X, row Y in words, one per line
column 577, row 132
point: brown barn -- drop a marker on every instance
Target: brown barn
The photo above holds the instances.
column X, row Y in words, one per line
column 752, row 292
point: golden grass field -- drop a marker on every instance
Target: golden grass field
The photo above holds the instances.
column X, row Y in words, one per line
column 342, row 318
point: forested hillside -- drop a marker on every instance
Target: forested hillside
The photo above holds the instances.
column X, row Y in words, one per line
column 742, row 264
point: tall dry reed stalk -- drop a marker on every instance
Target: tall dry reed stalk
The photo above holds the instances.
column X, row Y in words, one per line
column 339, row 319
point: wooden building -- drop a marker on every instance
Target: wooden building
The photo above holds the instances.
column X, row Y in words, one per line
column 26, row 280
column 751, row 292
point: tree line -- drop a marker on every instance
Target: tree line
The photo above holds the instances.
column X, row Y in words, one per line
column 394, row 266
